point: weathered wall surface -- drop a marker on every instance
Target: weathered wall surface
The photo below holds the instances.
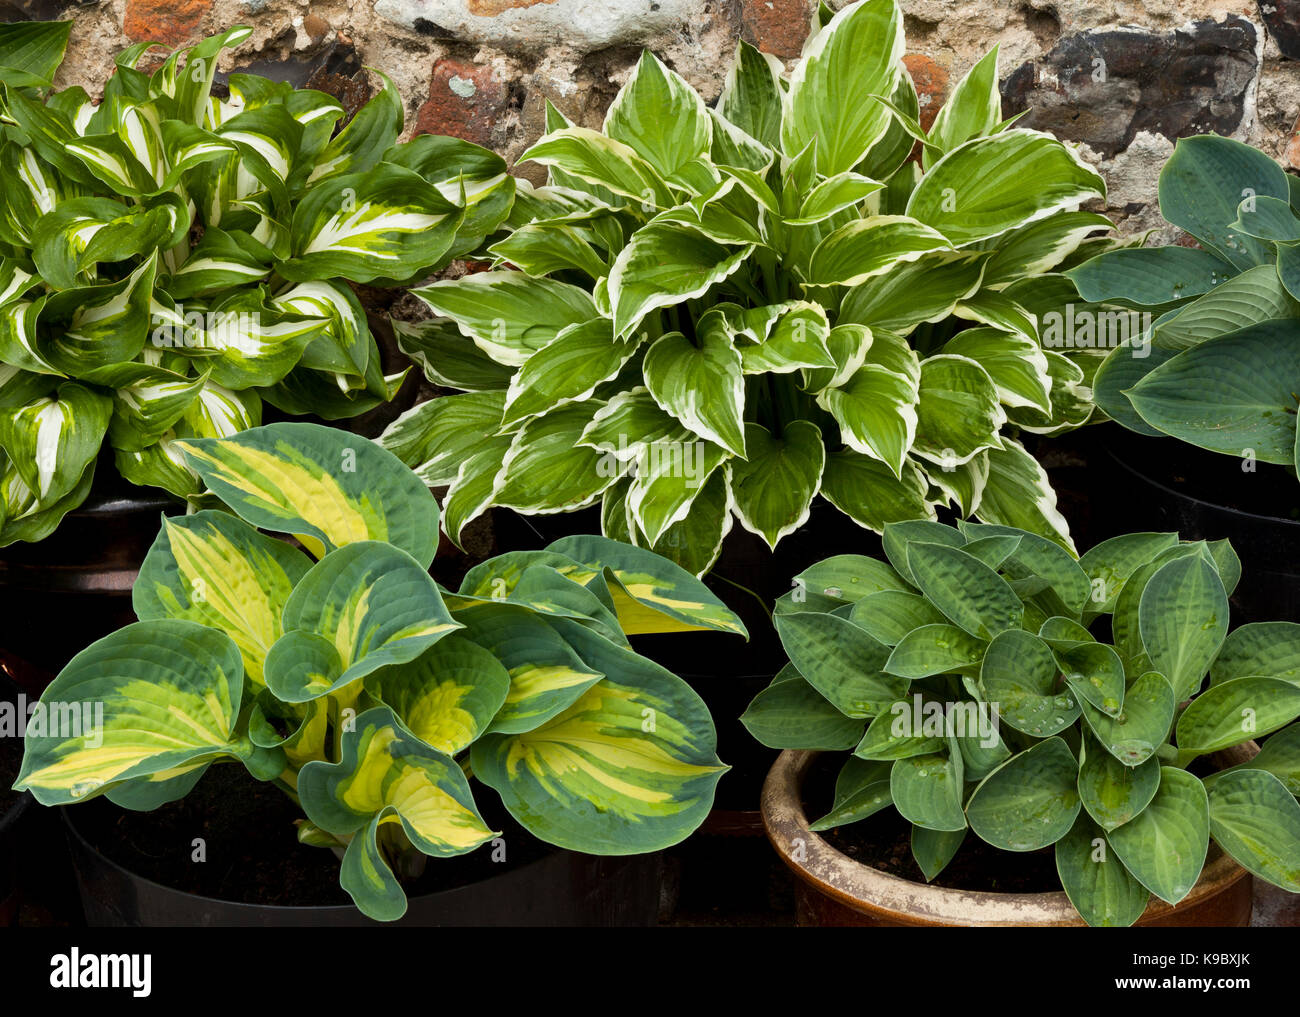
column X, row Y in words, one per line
column 1124, row 77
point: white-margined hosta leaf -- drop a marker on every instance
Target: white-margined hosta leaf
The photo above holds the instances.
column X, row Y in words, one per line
column 566, row 370
column 670, row 474
column 856, row 56
column 345, row 346
column 774, row 487
column 700, row 382
column 547, row 470
column 384, row 223
column 1040, row 247
column 216, row 263
column 866, row 490
column 1015, row 364
column 1019, row 494
column 368, row 135
column 214, row 569
column 434, row 437
column 325, row 486
column 51, row 441
column 540, row 248
column 389, row 777
column 864, row 248
column 928, row 289
column 694, row 542
column 751, row 95
column 786, row 337
column 988, row 186
column 508, row 314
column 593, row 158
column 156, row 697
column 363, row 607
column 448, row 357
column 631, row 766
column 958, row 412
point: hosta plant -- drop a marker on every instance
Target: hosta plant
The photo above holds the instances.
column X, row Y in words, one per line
column 723, row 312
column 337, row 668
column 171, row 259
column 1219, row 366
column 984, row 683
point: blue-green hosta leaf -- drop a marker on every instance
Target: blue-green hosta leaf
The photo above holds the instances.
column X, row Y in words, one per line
column 1279, row 755
column 967, row 591
column 664, row 120
column 867, row 491
column 1165, row 845
column 51, row 440
column 630, row 767
column 1095, row 673
column 155, row 697
column 889, row 615
column 856, row 56
column 840, row 660
column 651, row 594
column 363, row 607
column 1014, row 362
column 1112, row 792
column 1268, row 218
column 899, row 731
column 1204, row 182
column 927, row 790
column 791, row 714
column 1109, row 564
column 934, row 849
column 387, row 222
column 1254, row 296
column 384, row 776
column 1133, row 736
column 666, row 264
column 1230, row 394
column 899, row 536
column 1099, row 886
column 958, row 411
column 509, row 315
column 447, row 696
column 1183, row 619
column 864, row 248
column 988, row 186
column 326, row 487
column 1150, row 276
column 972, row 110
column 876, row 407
column 1235, row 711
column 1040, row 557
column 1018, row 675
column 773, row 489
column 214, row 569
column 1260, row 648
column 850, row 578
column 1028, row 802
column 861, row 790
column 1257, row 821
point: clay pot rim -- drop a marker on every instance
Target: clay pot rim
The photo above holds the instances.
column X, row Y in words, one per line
column 872, row 891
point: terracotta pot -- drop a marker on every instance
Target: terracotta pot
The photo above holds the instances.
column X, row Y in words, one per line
column 833, row 889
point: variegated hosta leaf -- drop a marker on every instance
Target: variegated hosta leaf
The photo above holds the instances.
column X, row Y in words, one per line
column 245, row 345
column 385, row 223
column 217, row 262
column 51, row 441
column 700, row 382
column 365, row 139
column 566, row 370
column 876, row 406
column 630, row 767
column 594, row 159
column 345, row 346
column 547, row 470
column 447, row 696
column 650, row 593
column 463, row 172
column 386, row 780
column 449, row 358
column 215, row 569
column 160, row 465
column 103, row 326
column 508, row 314
column 546, row 675
column 435, row 437
column 154, row 698
column 146, row 407
column 773, row 489
column 958, row 412
column 325, row 486
column 360, row 608
column 865, row 248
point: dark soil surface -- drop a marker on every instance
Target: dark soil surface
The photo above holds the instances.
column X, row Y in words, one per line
column 883, row 841
column 11, row 759
column 253, row 854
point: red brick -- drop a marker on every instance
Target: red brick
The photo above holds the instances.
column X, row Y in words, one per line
column 931, row 81
column 171, row 22
column 778, row 27
column 465, row 101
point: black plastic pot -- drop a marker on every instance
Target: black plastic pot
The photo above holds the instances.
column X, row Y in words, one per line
column 1163, row 484
column 563, row 888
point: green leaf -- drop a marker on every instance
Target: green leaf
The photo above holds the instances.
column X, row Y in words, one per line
column 1112, row 792
column 1233, row 393
column 1183, row 618
column 1014, row 363
column 1150, row 276
column 437, row 436
column 973, row 109
column 1095, row 673
column 867, row 491
column 876, row 406
column 1204, row 182
column 861, row 790
column 1019, row 494
column 1260, row 648
column 1164, row 846
column 1019, row 675
column 791, row 714
column 1028, row 802
column 890, row 615
column 1099, row 886
column 857, row 55
column 52, row 440
column 30, row 52
column 935, row 649
column 914, row 292
column 1110, row 564
column 751, row 95
column 1235, row 711
column 1133, row 736
column 325, row 486
column 927, row 790
column 604, row 162
column 958, row 411
column 849, row 578
column 546, row 470
column 1255, row 296
column 989, row 186
column 361, row 144
column 864, row 248
column 895, row 733
column 700, row 383
column 664, row 120
column 967, row 591
column 773, row 489
column 841, row 661
column 934, row 849
column 1279, row 755
column 1256, row 820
